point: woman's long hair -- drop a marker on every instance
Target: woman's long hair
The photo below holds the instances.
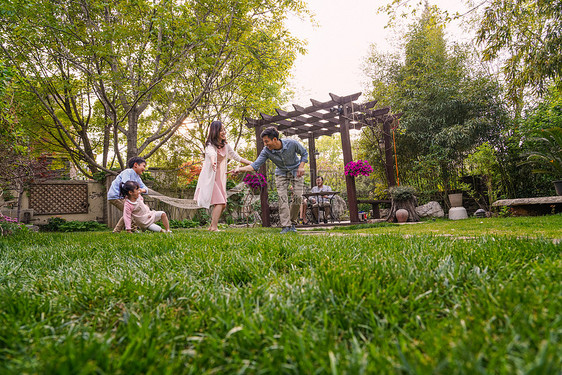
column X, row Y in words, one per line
column 214, row 133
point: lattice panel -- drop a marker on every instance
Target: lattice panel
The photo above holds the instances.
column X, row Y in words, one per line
column 59, row 199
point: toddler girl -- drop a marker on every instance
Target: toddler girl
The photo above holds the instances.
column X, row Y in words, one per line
column 134, row 208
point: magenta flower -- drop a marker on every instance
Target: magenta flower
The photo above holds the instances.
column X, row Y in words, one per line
column 255, row 181
column 359, row 167
column 9, row 225
column 8, row 219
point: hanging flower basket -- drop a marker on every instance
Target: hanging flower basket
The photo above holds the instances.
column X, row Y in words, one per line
column 359, row 167
column 255, row 181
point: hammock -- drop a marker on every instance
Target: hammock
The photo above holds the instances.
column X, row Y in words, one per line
column 179, row 208
column 188, row 204
column 175, row 208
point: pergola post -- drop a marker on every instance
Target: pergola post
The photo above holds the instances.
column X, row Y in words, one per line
column 263, row 191
column 388, row 154
column 348, row 157
column 312, row 160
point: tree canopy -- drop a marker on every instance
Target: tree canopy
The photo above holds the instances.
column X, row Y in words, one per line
column 118, row 79
column 528, row 33
column 448, row 108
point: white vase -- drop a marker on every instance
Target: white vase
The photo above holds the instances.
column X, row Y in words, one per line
column 455, row 199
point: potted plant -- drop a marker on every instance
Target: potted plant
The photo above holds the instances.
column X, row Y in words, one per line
column 546, row 155
column 403, row 198
column 455, row 199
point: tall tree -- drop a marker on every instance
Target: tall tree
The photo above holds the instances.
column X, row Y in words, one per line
column 129, row 74
column 20, row 152
column 448, row 109
column 528, row 33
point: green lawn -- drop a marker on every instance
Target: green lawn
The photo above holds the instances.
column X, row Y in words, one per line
column 253, row 301
column 520, row 227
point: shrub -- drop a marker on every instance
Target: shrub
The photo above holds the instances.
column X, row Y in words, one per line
column 546, row 154
column 57, row 224
column 202, row 216
column 10, row 225
column 185, row 223
column 402, row 193
column 188, row 174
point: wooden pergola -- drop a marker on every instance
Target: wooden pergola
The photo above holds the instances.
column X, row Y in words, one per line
column 338, row 115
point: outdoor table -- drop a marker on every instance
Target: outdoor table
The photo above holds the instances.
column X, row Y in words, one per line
column 318, row 195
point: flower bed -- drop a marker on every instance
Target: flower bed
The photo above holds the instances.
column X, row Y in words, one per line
column 9, row 225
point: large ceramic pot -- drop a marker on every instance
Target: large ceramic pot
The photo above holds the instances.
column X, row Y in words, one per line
column 455, row 200
column 402, row 215
column 558, row 187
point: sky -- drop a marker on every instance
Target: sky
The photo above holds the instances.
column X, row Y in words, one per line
column 340, row 42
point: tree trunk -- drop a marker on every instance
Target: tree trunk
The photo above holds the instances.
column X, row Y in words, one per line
column 132, row 149
column 408, row 205
column 20, row 199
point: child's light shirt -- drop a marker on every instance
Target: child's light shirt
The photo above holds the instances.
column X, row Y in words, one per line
column 127, row 175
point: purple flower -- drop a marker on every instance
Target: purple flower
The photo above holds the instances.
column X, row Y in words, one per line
column 359, row 167
column 255, row 181
column 9, row 219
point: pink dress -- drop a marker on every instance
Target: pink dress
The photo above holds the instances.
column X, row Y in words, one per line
column 219, row 191
column 206, row 190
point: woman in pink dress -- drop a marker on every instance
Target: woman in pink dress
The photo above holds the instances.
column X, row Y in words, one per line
column 211, row 186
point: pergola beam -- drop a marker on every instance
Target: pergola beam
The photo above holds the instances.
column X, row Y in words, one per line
column 302, row 122
column 316, row 133
column 341, row 100
column 316, row 105
column 299, row 125
column 364, row 106
column 268, row 119
column 324, row 116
